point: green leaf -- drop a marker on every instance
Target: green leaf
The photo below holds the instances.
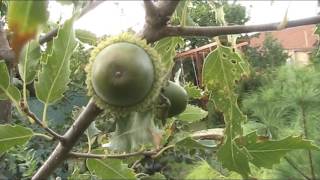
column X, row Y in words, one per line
column 193, row 91
column 29, row 61
column 76, row 175
column 167, row 50
column 156, row 176
column 86, row 36
column 204, row 171
column 234, row 158
column 92, row 130
column 13, row 135
column 110, row 169
column 222, row 68
column 54, row 76
column 192, row 114
column 24, row 18
column 266, row 153
column 4, row 74
column 6, row 89
column 182, row 16
column 190, row 143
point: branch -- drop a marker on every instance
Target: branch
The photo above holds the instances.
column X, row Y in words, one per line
column 157, row 17
column 50, row 35
column 150, row 8
column 62, row 150
column 237, row 29
column 152, row 153
column 39, row 122
column 212, row 134
column 114, row 156
column 6, row 52
column 166, row 8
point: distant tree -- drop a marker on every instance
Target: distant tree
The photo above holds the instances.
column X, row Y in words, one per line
column 269, row 56
column 204, row 15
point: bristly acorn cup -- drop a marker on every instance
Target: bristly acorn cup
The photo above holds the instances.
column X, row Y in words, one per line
column 124, row 75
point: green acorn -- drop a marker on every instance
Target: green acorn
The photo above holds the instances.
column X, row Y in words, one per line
column 125, row 74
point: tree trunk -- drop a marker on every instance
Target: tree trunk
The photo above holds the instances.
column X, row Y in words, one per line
column 5, row 111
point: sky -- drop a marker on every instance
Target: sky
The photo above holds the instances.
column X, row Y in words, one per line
column 112, row 17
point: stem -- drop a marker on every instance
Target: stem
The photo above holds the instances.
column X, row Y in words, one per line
column 43, row 135
column 30, row 114
column 305, row 128
column 152, row 153
column 161, row 151
column 292, row 164
column 62, row 150
column 89, row 144
column 44, row 114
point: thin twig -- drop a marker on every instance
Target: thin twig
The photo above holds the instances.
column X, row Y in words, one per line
column 39, row 122
column 161, row 151
column 211, row 134
column 211, row 31
column 114, row 156
column 152, row 153
column 50, row 35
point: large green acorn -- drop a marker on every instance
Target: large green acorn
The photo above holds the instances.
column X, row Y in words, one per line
column 124, row 74
column 178, row 98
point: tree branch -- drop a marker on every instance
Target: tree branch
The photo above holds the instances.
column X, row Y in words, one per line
column 150, row 8
column 39, row 122
column 237, row 29
column 157, row 16
column 152, row 153
column 166, row 8
column 7, row 54
column 114, row 156
column 50, row 35
column 212, row 134
column 62, row 150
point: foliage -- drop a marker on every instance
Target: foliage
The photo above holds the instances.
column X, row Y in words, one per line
column 158, row 147
column 203, row 13
column 287, row 105
column 270, row 56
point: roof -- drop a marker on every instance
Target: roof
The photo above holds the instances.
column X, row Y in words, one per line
column 203, row 49
column 296, row 38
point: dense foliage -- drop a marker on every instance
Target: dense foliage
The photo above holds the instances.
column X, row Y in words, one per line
column 266, row 133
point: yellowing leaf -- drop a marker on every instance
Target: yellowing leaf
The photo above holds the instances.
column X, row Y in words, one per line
column 24, row 18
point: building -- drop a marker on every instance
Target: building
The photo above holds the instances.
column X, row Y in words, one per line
column 298, row 42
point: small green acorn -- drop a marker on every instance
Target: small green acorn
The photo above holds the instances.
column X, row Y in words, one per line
column 125, row 74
